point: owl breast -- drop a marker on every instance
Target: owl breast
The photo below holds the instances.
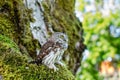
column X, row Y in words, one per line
column 52, row 57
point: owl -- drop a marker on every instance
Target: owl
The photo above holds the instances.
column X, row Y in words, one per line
column 52, row 51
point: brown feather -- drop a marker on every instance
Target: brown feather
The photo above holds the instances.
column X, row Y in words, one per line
column 46, row 48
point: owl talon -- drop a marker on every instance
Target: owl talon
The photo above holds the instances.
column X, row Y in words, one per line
column 56, row 69
column 53, row 67
column 60, row 63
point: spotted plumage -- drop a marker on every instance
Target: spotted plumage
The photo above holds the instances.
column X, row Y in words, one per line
column 51, row 52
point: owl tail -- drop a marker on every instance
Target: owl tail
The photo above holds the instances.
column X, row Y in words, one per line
column 38, row 62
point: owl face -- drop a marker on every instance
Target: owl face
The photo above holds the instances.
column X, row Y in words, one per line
column 60, row 38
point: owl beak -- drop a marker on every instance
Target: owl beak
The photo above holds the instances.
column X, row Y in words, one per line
column 65, row 46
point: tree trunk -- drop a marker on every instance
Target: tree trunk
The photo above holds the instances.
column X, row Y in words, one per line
column 25, row 26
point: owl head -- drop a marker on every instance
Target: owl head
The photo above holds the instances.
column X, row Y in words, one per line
column 60, row 38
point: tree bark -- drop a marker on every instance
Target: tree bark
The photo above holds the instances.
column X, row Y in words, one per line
column 22, row 33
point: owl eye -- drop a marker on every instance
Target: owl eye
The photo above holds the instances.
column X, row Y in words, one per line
column 62, row 37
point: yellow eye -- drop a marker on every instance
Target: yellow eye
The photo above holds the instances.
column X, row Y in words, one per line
column 62, row 37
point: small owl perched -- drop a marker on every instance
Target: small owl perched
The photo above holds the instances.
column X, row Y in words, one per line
column 52, row 51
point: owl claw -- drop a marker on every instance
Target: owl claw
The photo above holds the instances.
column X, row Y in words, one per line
column 56, row 69
column 60, row 63
column 52, row 66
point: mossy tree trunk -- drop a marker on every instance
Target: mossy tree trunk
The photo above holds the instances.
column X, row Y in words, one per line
column 60, row 15
column 17, row 44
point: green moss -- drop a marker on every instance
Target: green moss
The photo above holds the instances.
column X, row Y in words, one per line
column 14, row 22
column 6, row 27
column 15, row 66
column 7, row 45
column 32, row 72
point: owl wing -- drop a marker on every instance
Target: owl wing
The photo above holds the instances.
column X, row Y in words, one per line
column 46, row 48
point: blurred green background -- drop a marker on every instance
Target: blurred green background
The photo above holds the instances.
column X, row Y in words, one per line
column 101, row 23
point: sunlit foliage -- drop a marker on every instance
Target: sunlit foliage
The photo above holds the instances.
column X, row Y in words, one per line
column 102, row 37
